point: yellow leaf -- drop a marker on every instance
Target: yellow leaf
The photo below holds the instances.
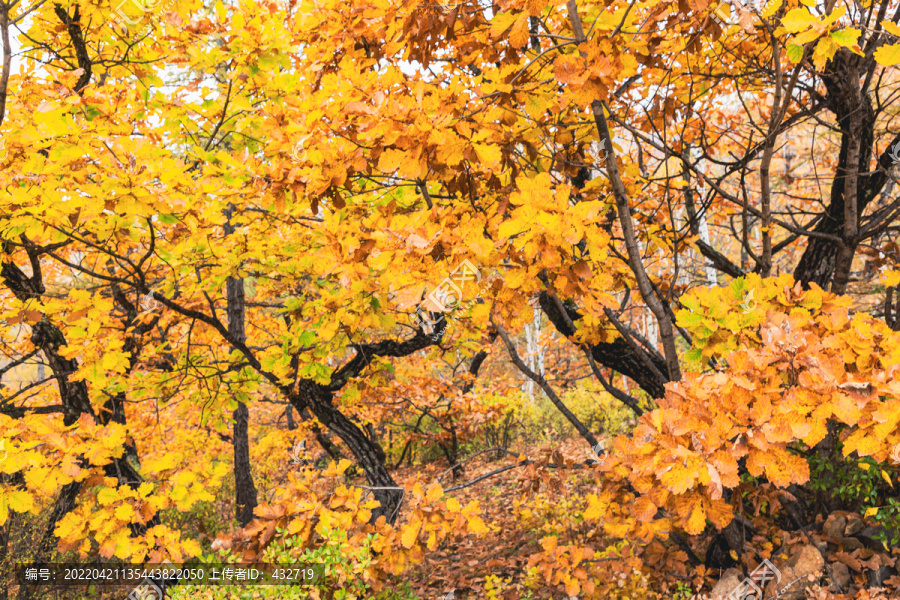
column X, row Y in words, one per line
column 824, row 51
column 870, row 512
column 595, row 508
column 891, row 27
column 864, row 444
column 489, row 155
column 888, row 56
column 720, row 513
column 797, row 20
column 890, row 278
column 696, row 522
column 678, row 479
column 501, row 22
column 124, row 512
column 107, row 496
column 846, row 37
column 771, row 8
column 535, row 7
column 21, row 501
column 434, row 493
column 410, row 534
column 163, row 463
column 886, row 477
column 644, row 509
column 518, row 36
column 570, row 69
column 390, row 160
column 476, row 525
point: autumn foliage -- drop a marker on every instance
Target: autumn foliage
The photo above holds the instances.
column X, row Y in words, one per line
column 521, row 299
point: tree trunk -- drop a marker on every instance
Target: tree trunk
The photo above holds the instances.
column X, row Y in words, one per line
column 856, row 120
column 245, row 494
column 74, row 397
column 369, row 455
column 617, row 355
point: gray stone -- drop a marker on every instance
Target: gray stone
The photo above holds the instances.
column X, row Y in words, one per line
column 807, row 561
column 877, row 577
column 869, row 537
column 840, row 575
column 834, row 527
column 728, row 582
column 801, row 571
column 851, row 544
column 854, row 525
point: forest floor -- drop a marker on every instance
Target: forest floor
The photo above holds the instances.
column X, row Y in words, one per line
column 465, row 566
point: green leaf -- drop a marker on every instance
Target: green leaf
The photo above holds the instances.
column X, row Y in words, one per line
column 845, row 37
column 794, row 52
column 694, row 355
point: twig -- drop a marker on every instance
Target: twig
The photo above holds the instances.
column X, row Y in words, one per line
column 542, row 383
column 477, row 454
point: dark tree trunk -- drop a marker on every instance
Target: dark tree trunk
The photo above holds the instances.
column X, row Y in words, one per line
column 321, row 438
column 617, row 355
column 74, row 395
column 369, row 455
column 856, row 120
column 244, row 489
column 245, row 494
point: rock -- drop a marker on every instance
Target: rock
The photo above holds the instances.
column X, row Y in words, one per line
column 789, row 587
column 729, row 581
column 800, row 572
column 840, row 575
column 834, row 527
column 851, row 544
column 876, row 578
column 854, row 525
column 807, row 561
column 869, row 537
